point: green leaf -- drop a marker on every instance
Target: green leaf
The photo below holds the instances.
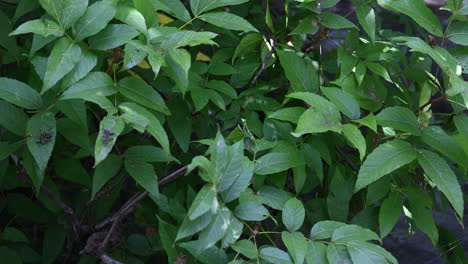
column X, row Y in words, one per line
column 334, row 21
column 461, row 122
column 233, row 233
column 112, row 36
column 317, row 103
column 400, row 118
column 228, row 21
column 131, row 17
column 13, row 118
column 145, row 7
column 366, row 17
column 140, row 92
column 300, row 177
column 296, row 244
column 344, row 101
column 173, row 7
column 42, row 27
column 365, row 256
column 251, row 211
column 180, row 123
column 96, row 18
column 233, row 171
column 154, row 126
column 109, row 129
column 368, row 121
column 135, row 52
column 274, row 162
column 275, row 255
column 420, row 211
column 188, row 38
column 75, row 133
column 337, row 254
column 349, row 233
column 19, row 93
column 41, row 130
column 204, row 201
column 383, row 160
column 293, row 214
column 437, row 171
column 247, row 44
column 72, row 170
column 190, row 227
column 222, row 87
column 54, row 239
column 352, row 133
column 148, row 153
column 216, row 230
column 291, row 114
column 417, row 10
column 316, row 253
column 167, row 234
column 93, row 85
column 14, row 235
column 372, row 249
column 66, row 12
column 458, row 32
column 206, row 256
column 9, row 256
column 200, row 6
column 301, row 73
column 379, row 70
column 246, row 248
column 87, row 62
column 64, row 56
column 143, row 173
column 390, row 212
column 107, row 169
column 273, row 197
column 437, row 138
column 458, row 6
column 316, row 121
column 178, row 65
column 308, row 25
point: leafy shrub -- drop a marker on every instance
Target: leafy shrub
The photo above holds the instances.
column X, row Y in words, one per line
column 228, row 131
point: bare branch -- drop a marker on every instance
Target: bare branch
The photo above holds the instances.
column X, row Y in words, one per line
column 435, row 100
column 108, row 260
column 125, row 210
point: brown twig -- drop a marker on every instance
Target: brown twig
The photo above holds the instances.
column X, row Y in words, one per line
column 321, row 36
column 125, row 210
column 435, row 100
column 106, row 191
column 67, row 209
column 264, row 63
column 348, row 160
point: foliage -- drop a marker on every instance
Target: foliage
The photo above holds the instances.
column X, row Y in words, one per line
column 222, row 131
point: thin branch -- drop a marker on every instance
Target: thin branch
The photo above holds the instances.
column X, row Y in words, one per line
column 316, row 42
column 264, row 64
column 348, row 160
column 435, row 100
column 67, row 209
column 106, row 191
column 126, row 209
column 108, row 260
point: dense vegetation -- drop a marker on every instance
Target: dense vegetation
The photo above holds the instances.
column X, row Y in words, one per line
column 229, row 131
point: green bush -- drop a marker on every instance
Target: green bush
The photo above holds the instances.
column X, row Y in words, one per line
column 229, row 131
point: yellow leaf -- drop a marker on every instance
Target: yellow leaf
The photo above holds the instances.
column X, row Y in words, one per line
column 134, row 74
column 163, row 19
column 143, row 64
column 202, row 57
